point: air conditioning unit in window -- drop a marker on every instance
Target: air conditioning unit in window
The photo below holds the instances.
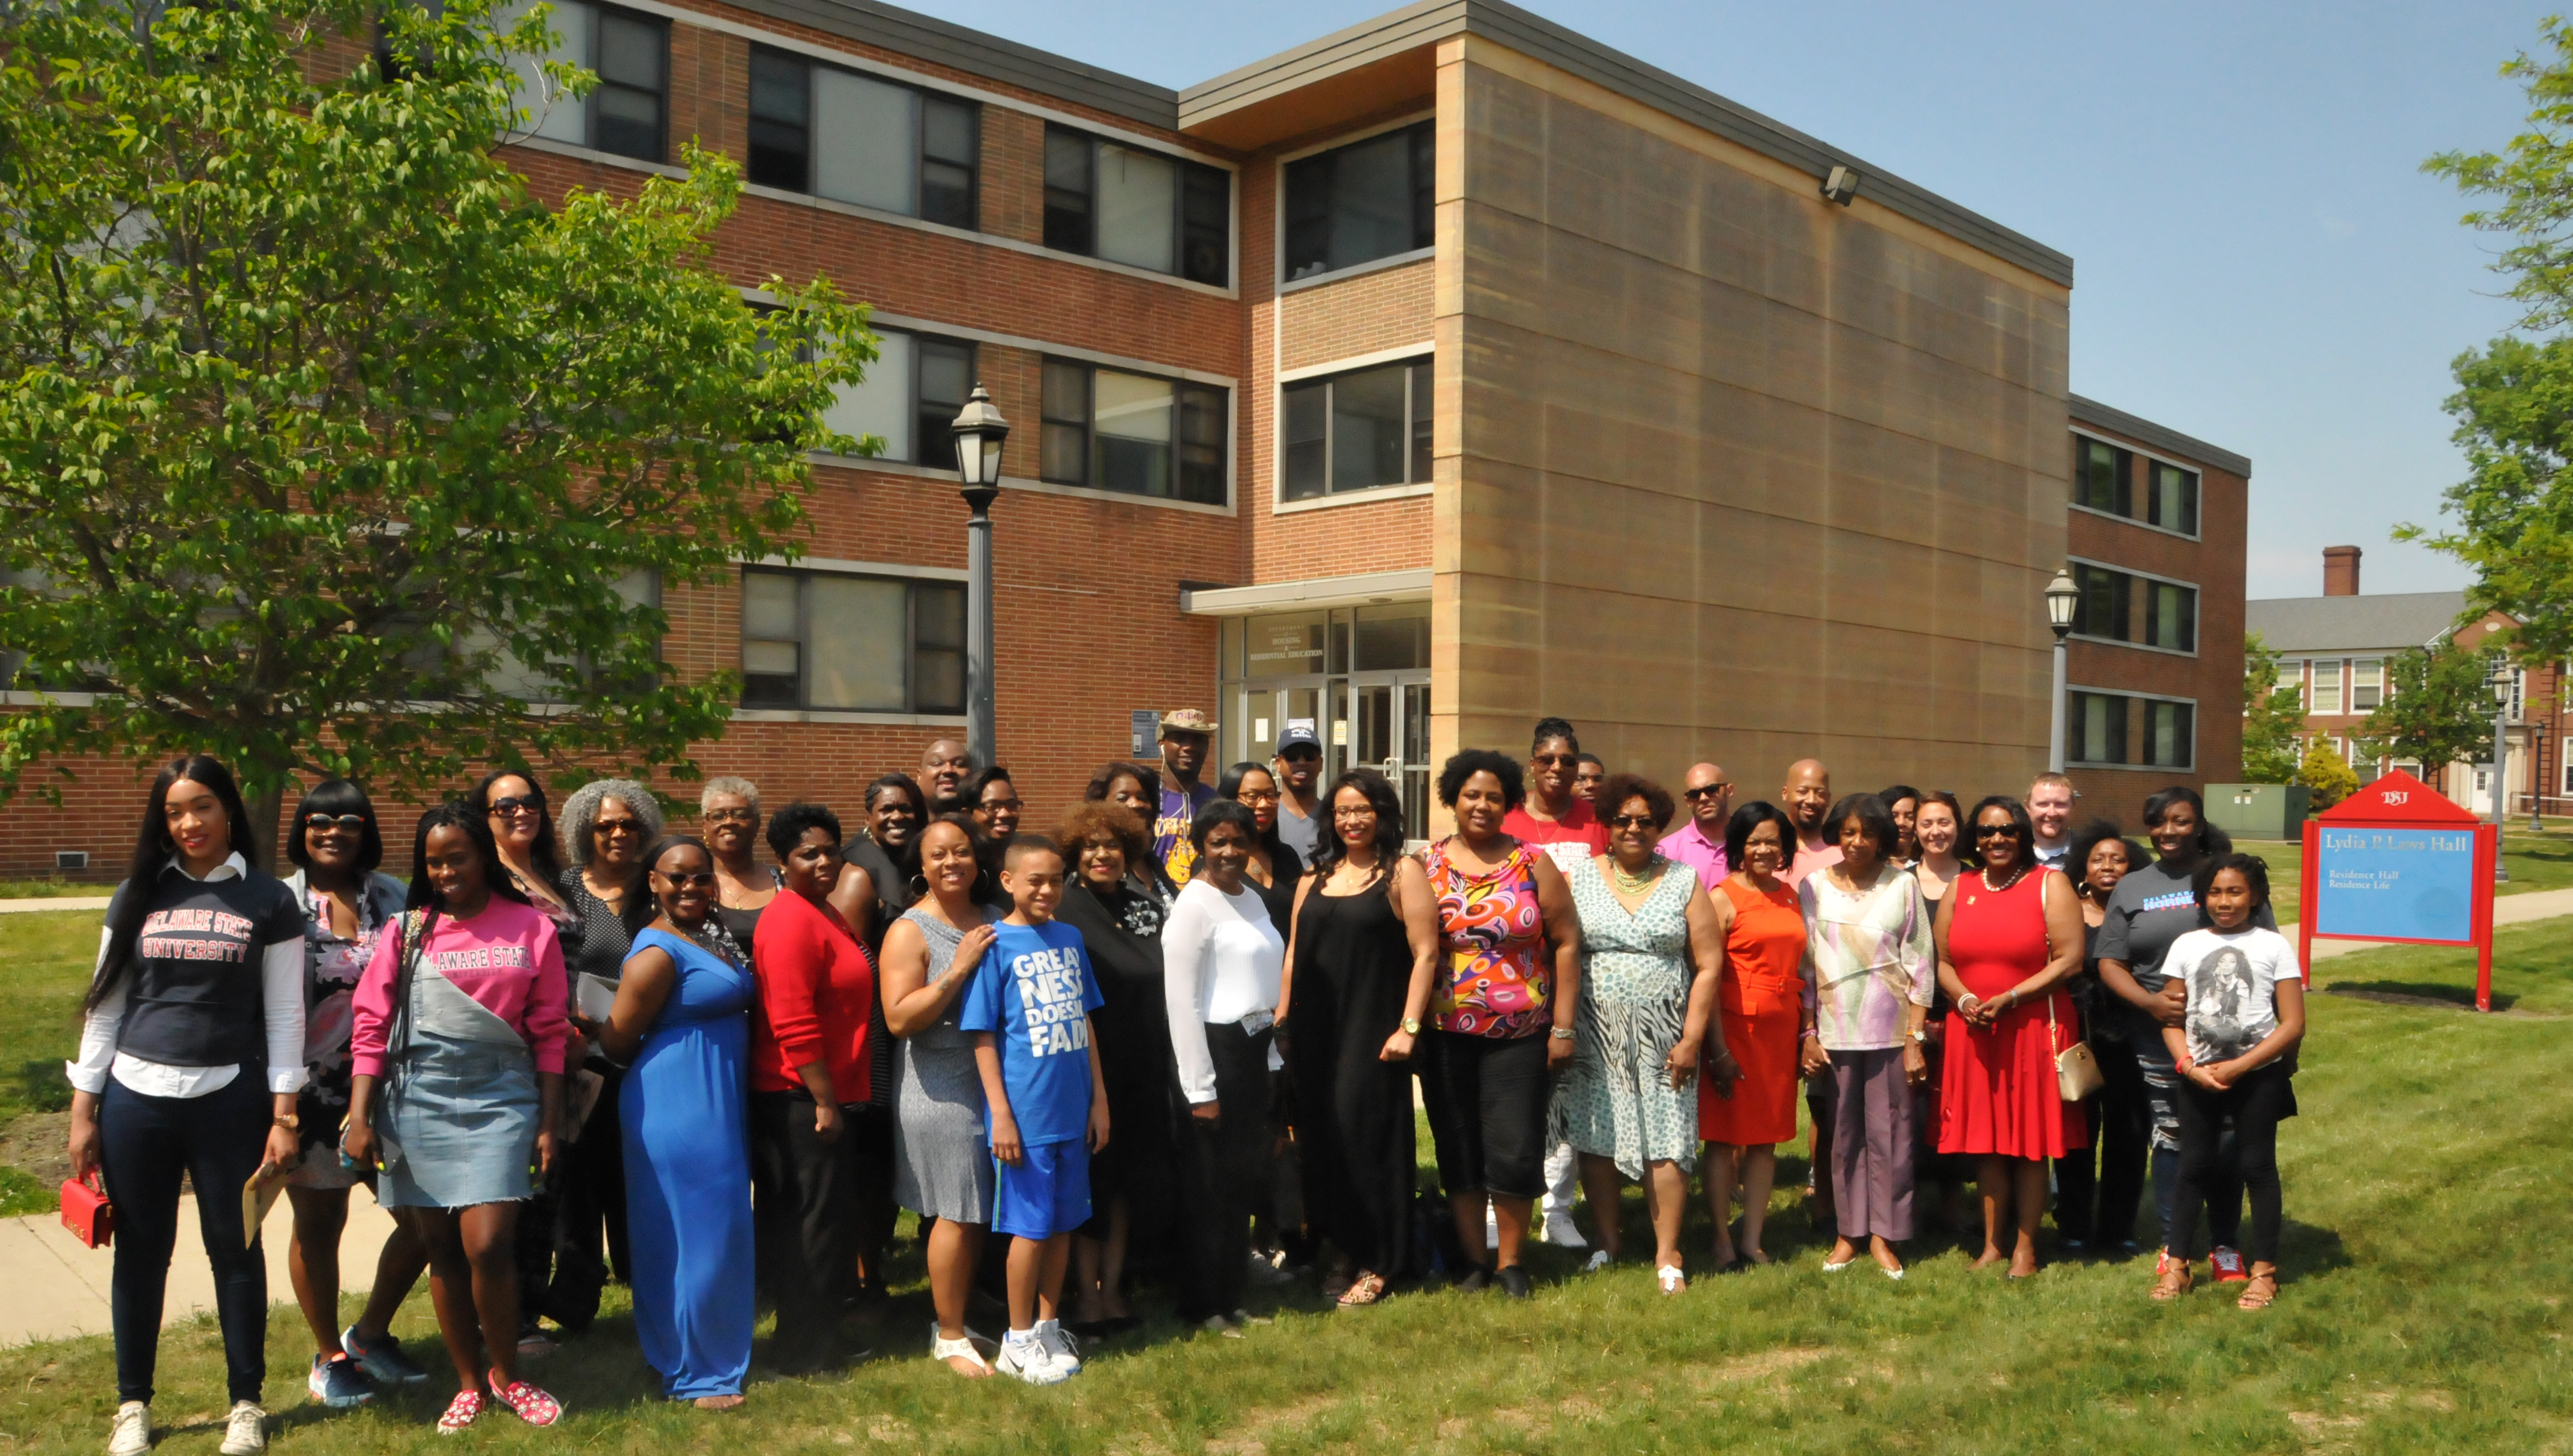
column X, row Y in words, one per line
column 71, row 859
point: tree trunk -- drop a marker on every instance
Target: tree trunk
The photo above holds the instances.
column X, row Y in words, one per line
column 264, row 807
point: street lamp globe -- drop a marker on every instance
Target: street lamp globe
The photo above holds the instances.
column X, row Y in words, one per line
column 978, row 431
column 2061, row 598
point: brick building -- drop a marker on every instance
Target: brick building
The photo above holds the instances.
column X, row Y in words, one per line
column 1445, row 372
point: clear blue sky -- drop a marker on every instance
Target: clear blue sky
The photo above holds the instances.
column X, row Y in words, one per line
column 2260, row 260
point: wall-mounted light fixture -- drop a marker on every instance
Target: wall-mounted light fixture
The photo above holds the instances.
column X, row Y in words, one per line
column 1841, row 185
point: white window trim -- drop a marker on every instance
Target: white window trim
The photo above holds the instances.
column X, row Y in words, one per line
column 1277, row 213
column 2199, row 621
column 2148, row 768
column 2171, row 461
column 855, row 569
column 1369, row 496
column 535, row 143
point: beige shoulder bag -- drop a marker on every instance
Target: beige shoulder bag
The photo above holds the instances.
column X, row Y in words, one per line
column 2076, row 1072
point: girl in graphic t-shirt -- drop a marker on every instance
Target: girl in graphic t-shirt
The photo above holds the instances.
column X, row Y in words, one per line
column 2236, row 1047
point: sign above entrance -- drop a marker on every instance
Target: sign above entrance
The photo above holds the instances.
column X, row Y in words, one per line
column 1288, row 645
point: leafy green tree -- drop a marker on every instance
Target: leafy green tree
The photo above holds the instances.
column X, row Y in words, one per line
column 2327, row 774
column 2437, row 709
column 2272, row 716
column 2511, row 518
column 326, row 447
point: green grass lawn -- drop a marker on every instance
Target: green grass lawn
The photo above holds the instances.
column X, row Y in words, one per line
column 2426, row 1253
column 51, row 888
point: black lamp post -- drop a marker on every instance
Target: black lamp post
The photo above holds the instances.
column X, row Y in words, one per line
column 978, row 431
column 2061, row 597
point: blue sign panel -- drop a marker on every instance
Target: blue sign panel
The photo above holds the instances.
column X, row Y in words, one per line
column 2395, row 883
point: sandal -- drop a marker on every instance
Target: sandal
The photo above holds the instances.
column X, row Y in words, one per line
column 1672, row 1280
column 1365, row 1289
column 2171, row 1278
column 461, row 1412
column 943, row 1350
column 2259, row 1291
column 527, row 1403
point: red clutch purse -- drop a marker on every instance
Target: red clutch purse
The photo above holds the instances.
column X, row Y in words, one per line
column 88, row 1215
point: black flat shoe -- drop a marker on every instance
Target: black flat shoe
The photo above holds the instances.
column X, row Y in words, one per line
column 1514, row 1282
column 1476, row 1279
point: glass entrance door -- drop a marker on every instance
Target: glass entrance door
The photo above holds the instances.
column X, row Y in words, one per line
column 1389, row 732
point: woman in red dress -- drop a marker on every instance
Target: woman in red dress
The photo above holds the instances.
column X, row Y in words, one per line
column 2010, row 934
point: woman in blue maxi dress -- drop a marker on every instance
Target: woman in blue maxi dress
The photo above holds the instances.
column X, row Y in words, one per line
column 688, row 1156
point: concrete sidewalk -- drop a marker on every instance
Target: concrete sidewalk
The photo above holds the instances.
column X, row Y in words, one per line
column 58, row 1289
column 2507, row 910
column 63, row 902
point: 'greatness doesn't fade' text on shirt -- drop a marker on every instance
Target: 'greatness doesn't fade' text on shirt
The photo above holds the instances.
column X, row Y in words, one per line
column 1034, row 991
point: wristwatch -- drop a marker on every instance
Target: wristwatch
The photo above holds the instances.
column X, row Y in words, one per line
column 1411, row 1026
column 1920, row 1034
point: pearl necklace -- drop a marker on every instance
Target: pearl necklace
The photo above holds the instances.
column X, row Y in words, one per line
column 1987, row 875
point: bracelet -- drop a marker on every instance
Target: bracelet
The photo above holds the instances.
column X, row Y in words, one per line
column 1561, row 1033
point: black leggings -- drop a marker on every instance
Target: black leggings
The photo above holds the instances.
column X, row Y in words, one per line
column 1225, row 1168
column 1486, row 1097
column 2255, row 1103
column 218, row 1141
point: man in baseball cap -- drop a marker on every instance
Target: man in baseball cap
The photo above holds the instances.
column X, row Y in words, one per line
column 1300, row 809
column 1186, row 734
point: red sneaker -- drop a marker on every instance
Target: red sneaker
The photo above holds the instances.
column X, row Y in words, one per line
column 527, row 1402
column 461, row 1412
column 2229, row 1265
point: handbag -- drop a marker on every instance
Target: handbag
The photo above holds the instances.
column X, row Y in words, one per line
column 88, row 1215
column 2076, row 1072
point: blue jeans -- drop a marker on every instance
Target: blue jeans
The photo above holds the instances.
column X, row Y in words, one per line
column 146, row 1142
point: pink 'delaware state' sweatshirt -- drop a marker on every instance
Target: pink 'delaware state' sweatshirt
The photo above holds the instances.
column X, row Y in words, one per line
column 507, row 959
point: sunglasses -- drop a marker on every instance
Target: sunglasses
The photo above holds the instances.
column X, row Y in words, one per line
column 700, row 880
column 1552, row 760
column 1301, row 755
column 1631, row 821
column 606, row 827
column 517, row 803
column 732, row 816
column 354, row 823
column 1709, row 792
column 1996, row 831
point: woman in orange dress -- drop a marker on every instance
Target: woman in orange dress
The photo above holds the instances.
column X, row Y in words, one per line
column 1747, row 1108
column 2010, row 934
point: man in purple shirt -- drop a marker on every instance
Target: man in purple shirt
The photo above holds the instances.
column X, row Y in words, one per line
column 1699, row 844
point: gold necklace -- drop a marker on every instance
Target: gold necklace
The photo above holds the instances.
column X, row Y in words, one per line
column 1636, row 884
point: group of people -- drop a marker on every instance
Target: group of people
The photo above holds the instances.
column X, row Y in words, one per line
column 579, row 1047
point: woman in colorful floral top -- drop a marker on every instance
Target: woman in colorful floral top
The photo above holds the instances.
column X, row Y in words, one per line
column 1501, row 1015
column 1869, row 971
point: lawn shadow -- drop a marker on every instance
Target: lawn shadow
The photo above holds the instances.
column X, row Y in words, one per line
column 2305, row 1249
column 42, row 1088
column 2439, row 994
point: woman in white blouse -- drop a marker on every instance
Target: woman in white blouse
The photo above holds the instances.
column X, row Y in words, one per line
column 1221, row 962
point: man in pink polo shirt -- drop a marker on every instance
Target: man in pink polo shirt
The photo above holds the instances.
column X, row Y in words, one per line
column 1699, row 844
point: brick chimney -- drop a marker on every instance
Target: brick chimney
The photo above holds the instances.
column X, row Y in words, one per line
column 2341, row 570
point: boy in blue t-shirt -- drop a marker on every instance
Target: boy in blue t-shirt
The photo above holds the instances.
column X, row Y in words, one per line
column 1045, row 1108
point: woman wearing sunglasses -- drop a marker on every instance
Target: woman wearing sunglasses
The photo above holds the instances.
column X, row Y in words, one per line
column 681, row 1025
column 2009, row 936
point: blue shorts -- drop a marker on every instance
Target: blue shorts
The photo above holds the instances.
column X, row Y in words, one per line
column 1047, row 1194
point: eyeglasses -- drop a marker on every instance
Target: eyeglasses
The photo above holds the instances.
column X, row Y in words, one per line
column 515, row 804
column 354, row 823
column 989, row 806
column 1709, row 792
column 1631, row 821
column 1352, row 815
column 1255, row 796
column 699, row 881
column 606, row 827
column 732, row 816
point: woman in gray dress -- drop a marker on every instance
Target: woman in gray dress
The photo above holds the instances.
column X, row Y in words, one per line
column 942, row 1164
column 1651, row 954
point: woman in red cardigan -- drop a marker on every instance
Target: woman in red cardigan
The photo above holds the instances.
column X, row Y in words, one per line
column 808, row 1073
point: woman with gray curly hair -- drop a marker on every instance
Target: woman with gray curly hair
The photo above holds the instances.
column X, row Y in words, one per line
column 607, row 824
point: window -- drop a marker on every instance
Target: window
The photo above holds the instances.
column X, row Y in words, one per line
column 885, row 644
column 2173, row 505
column 2095, row 728
column 2169, row 736
column 2101, row 610
column 1355, row 204
column 2173, row 620
column 1133, row 433
column 2291, row 676
column 855, row 139
column 2327, row 694
column 1148, row 210
column 1355, row 431
column 910, row 398
column 2100, row 476
column 2567, row 761
column 2366, row 684
column 626, row 112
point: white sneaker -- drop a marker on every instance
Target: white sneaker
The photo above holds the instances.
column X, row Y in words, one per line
column 1492, row 1228
column 132, row 1433
column 245, row 1430
column 1024, row 1355
column 1598, row 1261
column 1060, row 1344
column 1562, row 1232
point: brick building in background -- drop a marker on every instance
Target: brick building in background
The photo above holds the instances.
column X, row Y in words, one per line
column 1443, row 372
